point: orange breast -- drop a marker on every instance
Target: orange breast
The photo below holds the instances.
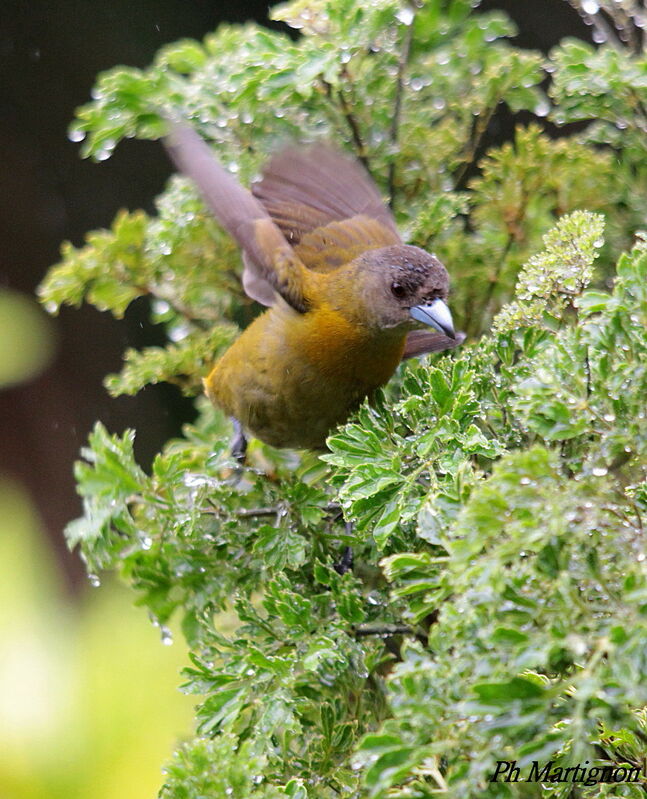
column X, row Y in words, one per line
column 290, row 378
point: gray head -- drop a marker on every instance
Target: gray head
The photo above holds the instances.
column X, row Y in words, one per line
column 401, row 286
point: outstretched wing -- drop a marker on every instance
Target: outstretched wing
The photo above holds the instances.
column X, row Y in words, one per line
column 276, row 266
column 326, row 205
column 309, row 187
column 313, row 208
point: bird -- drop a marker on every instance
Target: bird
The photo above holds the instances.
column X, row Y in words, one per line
column 345, row 296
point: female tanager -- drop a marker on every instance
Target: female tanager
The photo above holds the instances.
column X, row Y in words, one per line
column 322, row 250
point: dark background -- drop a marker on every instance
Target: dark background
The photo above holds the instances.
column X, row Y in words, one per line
column 50, row 54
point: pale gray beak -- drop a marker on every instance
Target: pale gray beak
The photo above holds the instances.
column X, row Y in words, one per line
column 436, row 315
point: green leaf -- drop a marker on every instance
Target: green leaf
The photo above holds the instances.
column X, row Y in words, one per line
column 504, row 693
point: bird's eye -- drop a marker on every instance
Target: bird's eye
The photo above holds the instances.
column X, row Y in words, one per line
column 398, row 290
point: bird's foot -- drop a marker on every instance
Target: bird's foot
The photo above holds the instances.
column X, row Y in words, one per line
column 345, row 563
column 238, row 443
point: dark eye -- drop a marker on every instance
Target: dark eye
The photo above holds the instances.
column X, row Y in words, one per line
column 398, row 290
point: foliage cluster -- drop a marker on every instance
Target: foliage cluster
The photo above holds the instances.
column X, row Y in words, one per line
column 497, row 606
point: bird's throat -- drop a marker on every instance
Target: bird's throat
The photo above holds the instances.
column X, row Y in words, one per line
column 343, row 350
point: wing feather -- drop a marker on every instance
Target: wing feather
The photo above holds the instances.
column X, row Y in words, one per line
column 312, row 186
column 275, row 263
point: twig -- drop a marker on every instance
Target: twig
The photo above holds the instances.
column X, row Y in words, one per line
column 396, row 629
column 494, row 280
column 269, row 510
column 598, row 22
column 587, row 368
column 480, row 126
column 605, row 31
column 350, row 119
column 395, row 122
column 247, row 512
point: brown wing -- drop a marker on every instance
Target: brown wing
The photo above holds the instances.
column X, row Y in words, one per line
column 326, row 205
column 306, row 188
column 329, row 247
column 276, row 266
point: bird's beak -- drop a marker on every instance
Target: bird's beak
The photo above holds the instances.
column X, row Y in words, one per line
column 436, row 315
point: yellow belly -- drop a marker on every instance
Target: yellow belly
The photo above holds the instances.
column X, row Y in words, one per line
column 291, row 378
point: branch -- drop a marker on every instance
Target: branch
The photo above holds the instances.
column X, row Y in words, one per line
column 478, row 131
column 350, row 119
column 383, row 632
column 268, row 510
column 395, row 122
column 494, row 279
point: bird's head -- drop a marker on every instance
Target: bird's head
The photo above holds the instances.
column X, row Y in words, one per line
column 400, row 287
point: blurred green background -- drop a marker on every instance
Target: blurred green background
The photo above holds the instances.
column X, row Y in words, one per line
column 89, row 704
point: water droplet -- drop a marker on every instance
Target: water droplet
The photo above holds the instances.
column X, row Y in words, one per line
column 417, row 84
column 609, row 417
column 599, row 471
column 179, row 332
column 525, row 481
column 640, row 557
column 161, row 307
column 147, row 542
column 598, row 36
column 590, row 6
column 405, row 15
column 439, row 103
column 542, row 108
column 94, row 580
column 76, row 135
column 167, row 635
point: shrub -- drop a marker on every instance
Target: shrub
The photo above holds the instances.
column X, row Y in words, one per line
column 497, row 608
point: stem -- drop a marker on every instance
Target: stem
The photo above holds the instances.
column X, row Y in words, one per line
column 397, row 629
column 350, row 119
column 397, row 109
column 497, row 271
column 253, row 512
column 587, row 366
column 269, row 510
column 480, row 126
column 605, row 30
